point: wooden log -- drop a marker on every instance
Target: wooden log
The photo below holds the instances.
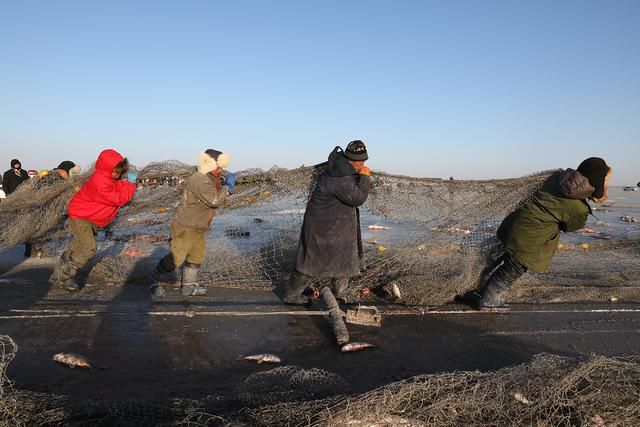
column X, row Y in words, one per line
column 335, row 316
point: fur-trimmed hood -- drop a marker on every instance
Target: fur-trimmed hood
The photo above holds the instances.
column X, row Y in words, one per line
column 207, row 164
column 75, row 170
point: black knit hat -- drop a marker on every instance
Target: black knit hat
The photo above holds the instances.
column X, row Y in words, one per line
column 15, row 162
column 213, row 153
column 595, row 170
column 66, row 166
column 356, row 151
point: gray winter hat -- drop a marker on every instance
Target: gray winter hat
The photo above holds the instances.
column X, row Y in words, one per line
column 356, row 151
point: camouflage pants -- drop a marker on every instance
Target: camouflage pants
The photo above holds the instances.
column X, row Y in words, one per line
column 83, row 244
column 187, row 244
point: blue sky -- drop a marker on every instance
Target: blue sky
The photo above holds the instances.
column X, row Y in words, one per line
column 473, row 89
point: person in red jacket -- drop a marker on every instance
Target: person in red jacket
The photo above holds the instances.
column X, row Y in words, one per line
column 95, row 205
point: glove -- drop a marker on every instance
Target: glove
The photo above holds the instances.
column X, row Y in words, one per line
column 230, row 181
column 132, row 177
column 365, row 171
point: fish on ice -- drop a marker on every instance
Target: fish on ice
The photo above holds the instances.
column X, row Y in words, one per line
column 355, row 346
column 262, row 358
column 72, row 360
column 379, row 227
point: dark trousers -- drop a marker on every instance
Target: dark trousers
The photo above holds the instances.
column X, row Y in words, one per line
column 494, row 290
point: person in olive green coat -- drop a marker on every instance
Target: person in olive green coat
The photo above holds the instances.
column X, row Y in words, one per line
column 530, row 235
column 205, row 191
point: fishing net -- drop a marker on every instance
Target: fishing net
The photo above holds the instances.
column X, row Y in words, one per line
column 429, row 239
column 289, row 383
column 550, row 390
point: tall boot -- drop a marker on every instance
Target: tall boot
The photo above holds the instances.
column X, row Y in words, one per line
column 339, row 286
column 190, row 287
column 295, row 287
column 158, row 276
column 493, row 292
column 64, row 274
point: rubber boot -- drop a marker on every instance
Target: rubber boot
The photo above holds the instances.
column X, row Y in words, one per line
column 492, row 297
column 339, row 286
column 295, row 287
column 493, row 292
column 64, row 274
column 158, row 276
column 190, row 287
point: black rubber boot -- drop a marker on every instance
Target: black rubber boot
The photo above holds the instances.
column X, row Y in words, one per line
column 295, row 287
column 190, row 287
column 64, row 275
column 493, row 292
column 492, row 299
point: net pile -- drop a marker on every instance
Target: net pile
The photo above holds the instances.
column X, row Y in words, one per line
column 289, row 383
column 440, row 236
column 551, row 390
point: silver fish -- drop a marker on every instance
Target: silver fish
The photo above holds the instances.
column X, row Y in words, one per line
column 72, row 360
column 262, row 358
column 355, row 346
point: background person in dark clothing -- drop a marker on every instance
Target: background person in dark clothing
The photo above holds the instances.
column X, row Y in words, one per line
column 14, row 177
column 531, row 234
column 330, row 241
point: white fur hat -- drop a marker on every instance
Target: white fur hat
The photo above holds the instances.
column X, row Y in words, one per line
column 210, row 160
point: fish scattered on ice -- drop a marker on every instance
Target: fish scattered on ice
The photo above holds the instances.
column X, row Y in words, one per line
column 379, row 227
column 520, row 398
column 601, row 224
column 628, row 218
column 262, row 358
column 587, row 230
column 72, row 360
column 355, row 346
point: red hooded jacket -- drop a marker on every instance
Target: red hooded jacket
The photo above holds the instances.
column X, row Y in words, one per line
column 101, row 196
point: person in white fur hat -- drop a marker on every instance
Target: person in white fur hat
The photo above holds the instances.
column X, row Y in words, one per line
column 205, row 191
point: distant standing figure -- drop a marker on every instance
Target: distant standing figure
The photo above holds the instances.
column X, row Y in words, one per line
column 14, row 177
column 531, row 234
column 95, row 205
column 330, row 244
column 205, row 192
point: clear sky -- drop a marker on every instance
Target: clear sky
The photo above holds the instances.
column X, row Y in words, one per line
column 473, row 89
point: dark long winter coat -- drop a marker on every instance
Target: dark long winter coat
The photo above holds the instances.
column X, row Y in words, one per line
column 330, row 243
column 11, row 180
column 531, row 233
column 102, row 196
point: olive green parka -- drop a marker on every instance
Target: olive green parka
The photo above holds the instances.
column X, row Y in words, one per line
column 201, row 199
column 531, row 233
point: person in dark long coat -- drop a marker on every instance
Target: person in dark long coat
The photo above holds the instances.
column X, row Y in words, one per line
column 530, row 234
column 330, row 241
column 14, row 177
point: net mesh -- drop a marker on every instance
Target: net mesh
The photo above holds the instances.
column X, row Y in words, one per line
column 431, row 238
column 550, row 390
